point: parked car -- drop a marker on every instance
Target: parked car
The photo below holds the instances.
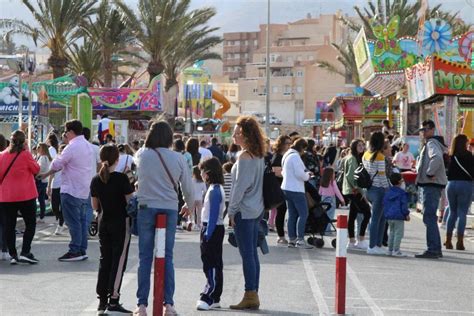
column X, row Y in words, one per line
column 273, row 120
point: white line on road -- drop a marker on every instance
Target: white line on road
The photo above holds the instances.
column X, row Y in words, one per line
column 412, row 311
column 313, row 282
column 363, row 292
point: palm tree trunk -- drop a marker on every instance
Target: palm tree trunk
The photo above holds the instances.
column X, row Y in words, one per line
column 108, row 67
column 155, row 67
column 169, row 99
column 58, row 64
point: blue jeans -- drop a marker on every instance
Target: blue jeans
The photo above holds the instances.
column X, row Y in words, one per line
column 75, row 215
column 246, row 235
column 377, row 221
column 146, row 244
column 430, row 199
column 41, row 187
column 459, row 198
column 297, row 214
column 90, row 212
column 332, row 211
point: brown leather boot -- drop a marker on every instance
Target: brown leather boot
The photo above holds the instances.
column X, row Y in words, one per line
column 460, row 243
column 448, row 243
column 250, row 301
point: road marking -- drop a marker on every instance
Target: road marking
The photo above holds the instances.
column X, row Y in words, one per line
column 363, row 292
column 438, row 311
column 313, row 282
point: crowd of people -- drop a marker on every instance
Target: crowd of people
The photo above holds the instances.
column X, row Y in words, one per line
column 206, row 187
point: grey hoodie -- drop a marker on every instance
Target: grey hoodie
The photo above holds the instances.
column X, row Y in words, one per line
column 431, row 163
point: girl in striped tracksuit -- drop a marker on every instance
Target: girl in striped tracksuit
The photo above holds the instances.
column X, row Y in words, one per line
column 110, row 191
column 212, row 234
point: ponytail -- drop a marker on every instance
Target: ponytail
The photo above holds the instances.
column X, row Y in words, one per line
column 109, row 154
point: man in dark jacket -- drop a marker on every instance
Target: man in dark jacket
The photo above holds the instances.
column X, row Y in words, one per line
column 431, row 180
column 216, row 150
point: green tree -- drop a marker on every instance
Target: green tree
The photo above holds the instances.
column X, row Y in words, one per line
column 57, row 27
column 346, row 58
column 86, row 60
column 107, row 28
column 161, row 25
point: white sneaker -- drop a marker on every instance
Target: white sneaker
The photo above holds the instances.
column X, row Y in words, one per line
column 351, row 246
column 215, row 305
column 362, row 244
column 169, row 310
column 399, row 254
column 140, row 311
column 303, row 245
column 202, row 306
column 282, row 241
column 5, row 256
column 59, row 230
column 389, row 253
column 375, row 251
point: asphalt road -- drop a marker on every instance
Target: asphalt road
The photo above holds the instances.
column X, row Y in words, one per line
column 293, row 281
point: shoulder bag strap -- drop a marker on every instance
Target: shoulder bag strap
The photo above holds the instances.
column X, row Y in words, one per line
column 9, row 167
column 126, row 165
column 167, row 170
column 459, row 164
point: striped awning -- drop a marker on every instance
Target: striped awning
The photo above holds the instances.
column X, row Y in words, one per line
column 385, row 83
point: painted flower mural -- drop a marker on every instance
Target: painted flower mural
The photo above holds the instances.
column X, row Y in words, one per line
column 466, row 44
column 437, row 35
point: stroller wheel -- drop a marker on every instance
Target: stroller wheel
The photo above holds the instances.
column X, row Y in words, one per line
column 333, row 243
column 93, row 229
column 319, row 242
column 310, row 240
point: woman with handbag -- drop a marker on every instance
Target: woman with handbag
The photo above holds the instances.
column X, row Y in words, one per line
column 17, row 170
column 159, row 171
column 459, row 189
column 246, row 204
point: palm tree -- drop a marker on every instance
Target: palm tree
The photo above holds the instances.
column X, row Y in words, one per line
column 86, row 60
column 107, row 28
column 159, row 25
column 57, row 29
column 346, row 57
column 189, row 45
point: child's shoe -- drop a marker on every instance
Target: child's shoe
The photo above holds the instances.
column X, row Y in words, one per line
column 202, row 306
column 362, row 244
column 189, row 226
column 399, row 254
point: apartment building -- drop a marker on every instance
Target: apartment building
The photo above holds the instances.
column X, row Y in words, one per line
column 296, row 82
column 237, row 52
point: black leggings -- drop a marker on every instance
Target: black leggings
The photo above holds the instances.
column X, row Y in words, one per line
column 56, row 205
column 358, row 205
column 28, row 212
column 280, row 220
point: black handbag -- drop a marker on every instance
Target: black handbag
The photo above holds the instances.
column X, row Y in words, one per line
column 273, row 195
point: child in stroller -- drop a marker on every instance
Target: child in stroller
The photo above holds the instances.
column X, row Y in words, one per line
column 317, row 217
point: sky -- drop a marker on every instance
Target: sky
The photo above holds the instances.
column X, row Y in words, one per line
column 247, row 15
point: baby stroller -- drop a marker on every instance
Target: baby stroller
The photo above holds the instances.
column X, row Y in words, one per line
column 317, row 217
column 94, row 226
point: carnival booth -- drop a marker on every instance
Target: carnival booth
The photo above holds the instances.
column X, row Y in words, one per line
column 441, row 87
column 127, row 107
column 358, row 115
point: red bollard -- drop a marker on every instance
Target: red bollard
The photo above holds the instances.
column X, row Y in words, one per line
column 341, row 252
column 159, row 277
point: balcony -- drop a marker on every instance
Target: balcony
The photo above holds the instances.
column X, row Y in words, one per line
column 235, row 62
column 236, row 49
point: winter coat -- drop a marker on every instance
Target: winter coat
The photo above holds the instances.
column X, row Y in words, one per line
column 395, row 204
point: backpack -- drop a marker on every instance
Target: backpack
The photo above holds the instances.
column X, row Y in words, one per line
column 362, row 177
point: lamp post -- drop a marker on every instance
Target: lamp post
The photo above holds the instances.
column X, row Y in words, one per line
column 267, row 94
column 188, row 126
column 31, row 65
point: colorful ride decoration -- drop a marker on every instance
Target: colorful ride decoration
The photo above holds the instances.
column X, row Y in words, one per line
column 128, row 99
column 197, row 95
column 365, row 111
column 381, row 63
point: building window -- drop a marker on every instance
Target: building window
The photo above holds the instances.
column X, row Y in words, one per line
column 299, row 73
column 236, row 56
column 255, row 43
column 299, row 58
column 225, row 92
column 232, row 93
column 255, row 90
column 246, row 43
column 289, row 59
column 231, row 43
column 246, row 55
column 299, row 89
column 287, row 90
column 310, row 57
column 275, row 89
column 273, row 58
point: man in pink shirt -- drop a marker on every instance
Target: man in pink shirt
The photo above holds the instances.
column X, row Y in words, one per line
column 76, row 172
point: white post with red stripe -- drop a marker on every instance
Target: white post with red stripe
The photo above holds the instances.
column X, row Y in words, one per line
column 159, row 276
column 341, row 253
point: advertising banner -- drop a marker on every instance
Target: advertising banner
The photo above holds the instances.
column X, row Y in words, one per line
column 419, row 80
column 362, row 57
